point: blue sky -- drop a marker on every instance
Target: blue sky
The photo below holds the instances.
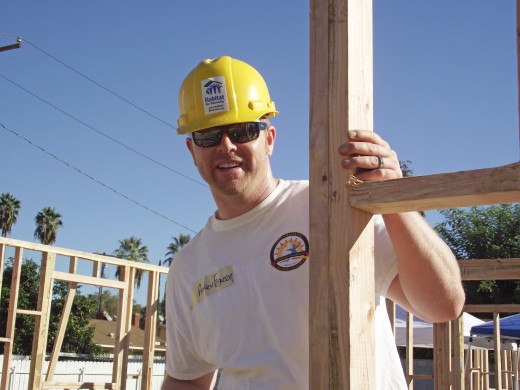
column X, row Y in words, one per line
column 445, row 97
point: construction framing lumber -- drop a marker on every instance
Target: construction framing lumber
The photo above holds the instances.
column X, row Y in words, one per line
column 439, row 191
column 11, row 317
column 495, row 269
column 41, row 324
column 341, row 267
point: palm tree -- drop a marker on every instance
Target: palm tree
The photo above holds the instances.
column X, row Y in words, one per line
column 174, row 247
column 132, row 249
column 9, row 208
column 47, row 223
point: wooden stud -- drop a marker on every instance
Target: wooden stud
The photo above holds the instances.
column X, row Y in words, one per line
column 41, row 324
column 11, row 316
column 150, row 330
column 2, row 261
column 122, row 341
column 457, row 367
column 342, row 304
column 409, row 350
column 498, row 362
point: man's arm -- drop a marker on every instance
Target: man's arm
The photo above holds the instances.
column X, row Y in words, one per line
column 202, row 383
column 428, row 282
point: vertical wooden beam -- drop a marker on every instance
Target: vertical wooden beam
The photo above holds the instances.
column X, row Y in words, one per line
column 11, row 316
column 2, row 260
column 498, row 360
column 409, row 350
column 342, row 304
column 458, row 354
column 150, row 329
column 439, row 356
column 41, row 324
column 121, row 341
column 124, row 324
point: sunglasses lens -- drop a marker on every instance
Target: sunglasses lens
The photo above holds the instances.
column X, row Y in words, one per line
column 207, row 138
column 239, row 133
column 243, row 132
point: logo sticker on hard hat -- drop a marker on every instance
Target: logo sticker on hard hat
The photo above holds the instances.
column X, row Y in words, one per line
column 214, row 95
column 290, row 251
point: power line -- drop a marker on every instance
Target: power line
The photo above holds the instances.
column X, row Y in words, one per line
column 102, row 133
column 101, row 86
column 95, row 180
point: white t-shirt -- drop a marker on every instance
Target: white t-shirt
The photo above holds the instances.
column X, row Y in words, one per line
column 237, row 299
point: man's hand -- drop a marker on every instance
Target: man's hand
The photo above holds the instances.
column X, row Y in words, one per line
column 369, row 156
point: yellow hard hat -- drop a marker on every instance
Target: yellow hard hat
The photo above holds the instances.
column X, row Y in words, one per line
column 222, row 91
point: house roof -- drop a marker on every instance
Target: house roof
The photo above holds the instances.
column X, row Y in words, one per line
column 103, row 330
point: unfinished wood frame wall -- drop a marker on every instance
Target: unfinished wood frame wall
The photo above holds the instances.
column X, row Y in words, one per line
column 48, row 274
column 341, row 303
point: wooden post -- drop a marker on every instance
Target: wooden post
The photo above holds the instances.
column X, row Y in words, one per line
column 409, row 350
column 122, row 332
column 11, row 317
column 150, row 329
column 41, row 324
column 498, row 360
column 2, row 255
column 342, row 304
column 458, row 354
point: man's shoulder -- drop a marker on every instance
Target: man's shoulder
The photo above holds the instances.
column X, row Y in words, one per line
column 296, row 185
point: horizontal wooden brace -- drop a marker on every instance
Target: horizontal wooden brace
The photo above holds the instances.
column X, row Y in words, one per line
column 34, row 246
column 494, row 269
column 88, row 280
column 440, row 191
column 499, row 308
column 5, row 340
column 29, row 312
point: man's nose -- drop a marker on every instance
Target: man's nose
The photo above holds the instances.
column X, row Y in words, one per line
column 226, row 143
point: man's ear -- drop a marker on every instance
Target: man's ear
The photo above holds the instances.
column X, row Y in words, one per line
column 189, row 145
column 269, row 140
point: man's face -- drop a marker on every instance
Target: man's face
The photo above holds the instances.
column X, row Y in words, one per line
column 235, row 168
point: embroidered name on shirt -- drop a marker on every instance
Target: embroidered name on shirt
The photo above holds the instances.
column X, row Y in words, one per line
column 211, row 284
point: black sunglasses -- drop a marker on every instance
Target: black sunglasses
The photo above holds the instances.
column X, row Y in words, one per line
column 238, row 133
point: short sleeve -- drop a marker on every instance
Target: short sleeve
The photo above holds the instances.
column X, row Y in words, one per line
column 385, row 258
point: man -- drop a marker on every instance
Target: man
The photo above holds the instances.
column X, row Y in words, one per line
column 237, row 294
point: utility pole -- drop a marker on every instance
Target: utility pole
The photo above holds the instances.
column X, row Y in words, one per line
column 16, row 45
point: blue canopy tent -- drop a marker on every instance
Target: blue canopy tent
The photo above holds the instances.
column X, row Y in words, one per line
column 509, row 337
column 509, row 328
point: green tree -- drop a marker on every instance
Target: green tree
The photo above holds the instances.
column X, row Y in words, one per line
column 109, row 302
column 485, row 233
column 406, row 168
column 132, row 249
column 47, row 223
column 175, row 245
column 78, row 335
column 173, row 248
column 9, row 209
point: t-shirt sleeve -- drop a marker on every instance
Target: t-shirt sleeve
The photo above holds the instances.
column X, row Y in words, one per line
column 385, row 258
column 182, row 360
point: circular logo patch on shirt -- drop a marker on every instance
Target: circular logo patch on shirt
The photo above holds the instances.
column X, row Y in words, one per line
column 290, row 251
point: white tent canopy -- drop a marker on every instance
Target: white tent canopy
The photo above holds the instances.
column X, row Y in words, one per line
column 423, row 332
